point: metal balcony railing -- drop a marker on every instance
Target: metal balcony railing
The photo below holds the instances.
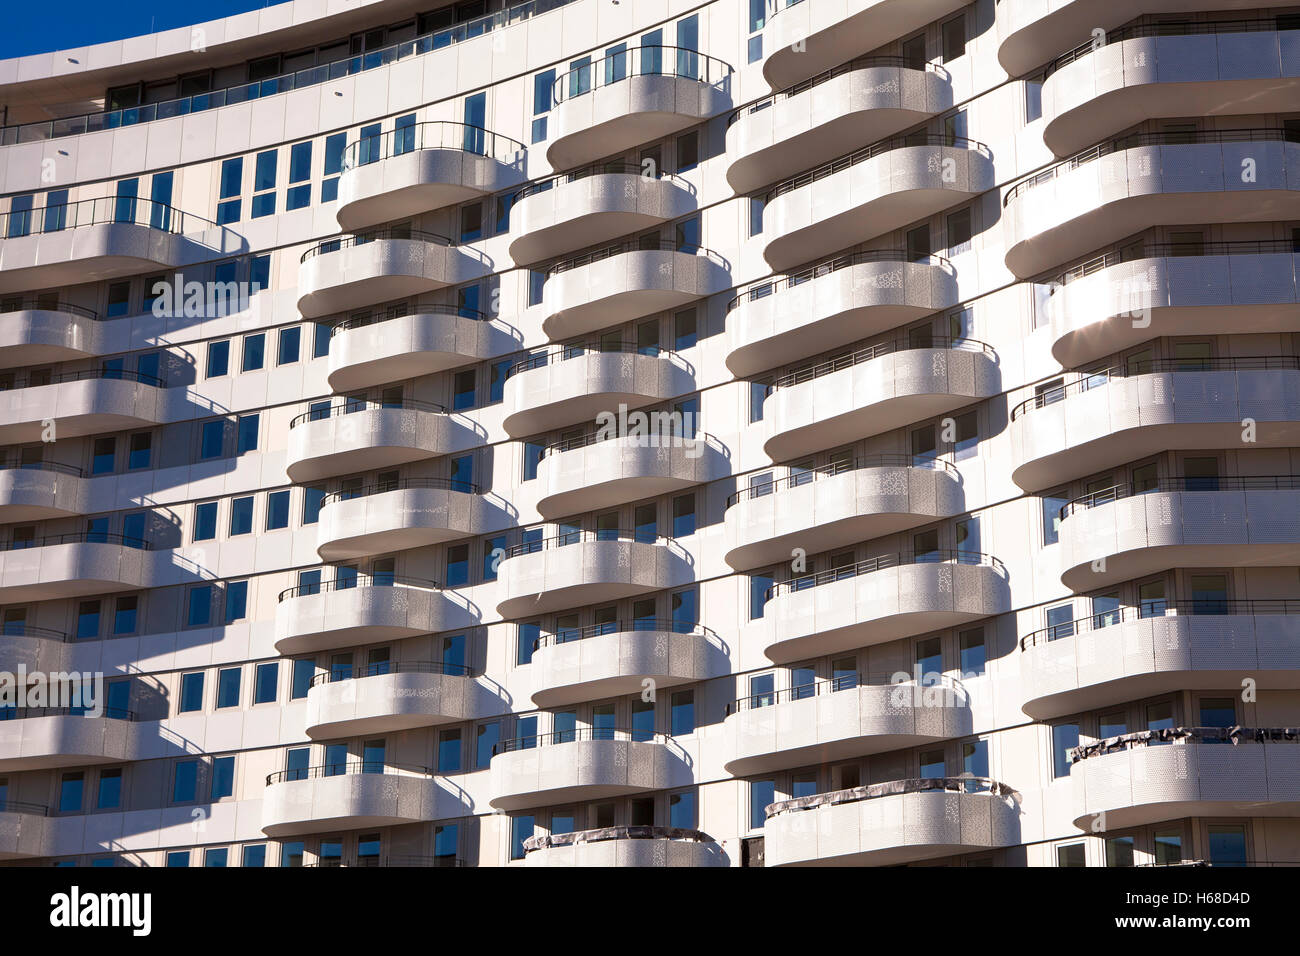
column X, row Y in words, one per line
column 360, row 581
column 576, row 734
column 809, row 475
column 639, row 61
column 1157, row 608
column 850, row 359
column 871, row 152
column 337, row 674
column 436, row 134
column 766, row 287
column 881, row 563
column 374, row 235
column 383, row 487
column 128, row 210
column 351, row 406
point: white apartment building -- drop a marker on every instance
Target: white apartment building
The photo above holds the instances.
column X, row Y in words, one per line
column 655, row 433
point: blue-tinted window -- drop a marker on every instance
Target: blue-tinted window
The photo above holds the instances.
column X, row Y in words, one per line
column 290, row 342
column 178, row 858
column 297, row 197
column 761, row 794
column 758, row 588
column 232, row 174
column 218, row 358
column 536, row 286
column 300, row 162
column 463, row 389
column 277, row 510
column 200, row 609
column 521, row 828
column 489, row 735
column 259, row 273
column 311, row 502
column 247, row 432
column 205, row 521
column 88, row 620
column 542, row 103
column 263, row 205
column 191, row 693
column 493, row 554
column 527, row 641
column 236, row 601
column 160, row 191
column 254, row 855
column 223, row 778
column 681, row 810
column 1064, row 738
column 264, row 171
column 449, row 751
column 20, row 216
column 71, row 789
column 216, row 856
column 457, row 565
column 228, row 687
column 532, row 458
column 186, row 782
column 56, row 210
column 124, row 208
column 266, row 682
column 254, row 352
column 334, row 146
column 241, row 515
column 110, row 790
column 321, row 340
column 291, row 853
column 125, row 614
column 213, row 439
column 682, row 713
column 139, row 450
column 303, row 672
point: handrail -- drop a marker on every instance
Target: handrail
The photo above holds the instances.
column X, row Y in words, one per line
column 416, row 859
column 577, row 733
column 574, row 537
column 637, row 625
column 565, row 352
column 850, row 359
column 596, row 437
column 1100, row 377
column 431, row 134
column 1166, row 28
column 892, row 788
column 15, row 629
column 613, row 168
column 1160, row 608
column 861, row 63
column 21, row 806
column 1165, row 735
column 835, row 468
column 639, row 61
column 373, row 235
column 351, row 406
column 1133, row 140
column 644, row 244
column 1177, row 250
column 26, row 713
column 601, row 834
column 86, row 375
column 78, row 537
column 125, row 210
column 360, row 581
column 333, row 676
column 42, row 304
column 1182, row 484
column 766, row 287
column 359, row 320
column 871, row 152
column 311, row 76
column 836, row 684
column 14, row 464
column 348, row 768
column 884, row 562
column 383, row 487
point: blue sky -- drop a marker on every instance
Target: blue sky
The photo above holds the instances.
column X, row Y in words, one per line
column 33, row 27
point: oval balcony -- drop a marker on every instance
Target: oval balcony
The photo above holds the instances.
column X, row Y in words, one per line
column 1031, row 32
column 89, row 402
column 351, row 796
column 420, row 168
column 44, row 330
column 833, row 304
column 625, row 846
column 1113, row 416
column 615, row 658
column 410, row 341
column 389, row 698
column 45, row 489
column 641, row 94
column 798, row 37
column 36, row 738
column 1156, row 648
column 1158, row 775
column 70, row 565
column 900, row 821
column 850, row 716
column 1123, row 533
column 626, row 281
column 24, row 830
column 1212, row 68
column 588, row 763
column 577, row 383
column 869, row 193
column 1123, row 186
column 859, row 102
column 353, row 272
column 363, row 610
column 359, row 435
column 91, row 240
column 879, row 600
column 1107, row 305
column 398, row 515
column 837, row 505
column 597, row 470
column 583, row 567
column 39, row 649
column 872, row 391
column 593, row 205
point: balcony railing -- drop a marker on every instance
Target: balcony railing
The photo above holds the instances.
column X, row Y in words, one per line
column 383, row 487
column 639, row 61
column 1169, row 735
column 44, row 303
column 676, row 432
column 352, row 405
column 893, row 788
column 597, row 169
column 20, row 629
column 861, row 63
column 871, row 152
column 602, row 834
column 1173, row 250
column 566, row 352
column 20, row 806
column 1102, row 377
column 35, row 380
column 50, row 466
column 437, row 134
column 574, row 537
column 566, row 635
column 336, row 674
column 1157, row 608
column 312, row 76
column 848, row 360
column 1208, row 483
column 810, row 475
column 372, row 235
column 644, row 244
column 360, row 581
column 836, row 684
column 1134, row 140
column 881, row 563
column 27, row 713
column 345, row 769
column 767, row 287
column 575, row 734
column 359, row 320
column 77, row 537
column 130, row 210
